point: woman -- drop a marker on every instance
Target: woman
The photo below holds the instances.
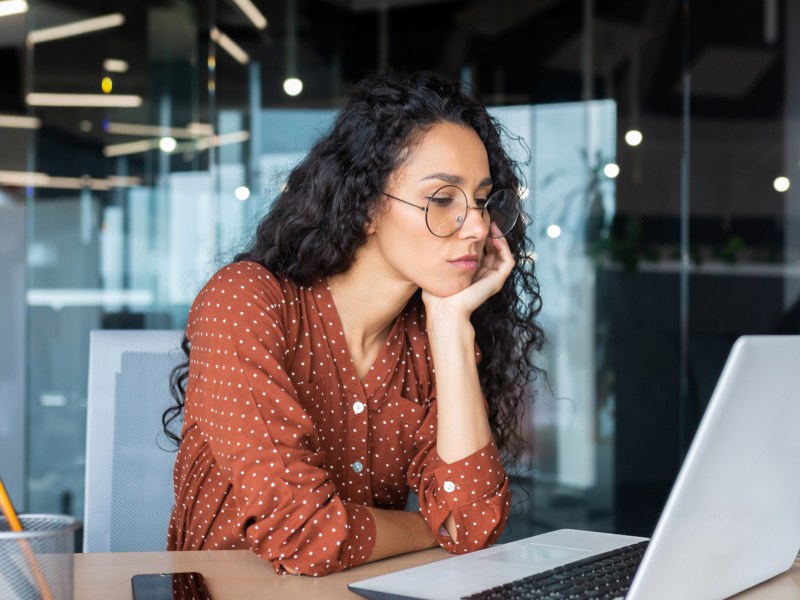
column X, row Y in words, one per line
column 334, row 366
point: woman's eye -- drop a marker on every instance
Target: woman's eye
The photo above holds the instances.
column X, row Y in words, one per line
column 441, row 200
column 481, row 202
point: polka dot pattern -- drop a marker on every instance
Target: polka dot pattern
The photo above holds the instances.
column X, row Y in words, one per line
column 284, row 447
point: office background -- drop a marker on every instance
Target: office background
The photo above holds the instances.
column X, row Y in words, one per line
column 659, row 140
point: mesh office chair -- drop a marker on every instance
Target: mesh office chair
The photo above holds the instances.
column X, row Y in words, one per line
column 129, row 460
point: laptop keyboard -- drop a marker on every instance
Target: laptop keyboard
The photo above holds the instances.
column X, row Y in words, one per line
column 601, row 576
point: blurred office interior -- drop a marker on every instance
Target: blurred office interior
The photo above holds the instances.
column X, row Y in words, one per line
column 660, row 142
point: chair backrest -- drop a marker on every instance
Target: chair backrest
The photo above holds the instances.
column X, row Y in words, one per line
column 129, row 460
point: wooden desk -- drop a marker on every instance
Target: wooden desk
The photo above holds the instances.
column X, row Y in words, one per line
column 239, row 574
column 231, row 574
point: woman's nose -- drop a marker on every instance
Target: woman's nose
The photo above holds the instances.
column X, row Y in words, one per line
column 476, row 223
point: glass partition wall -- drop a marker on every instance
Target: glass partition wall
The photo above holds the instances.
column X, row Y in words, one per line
column 655, row 139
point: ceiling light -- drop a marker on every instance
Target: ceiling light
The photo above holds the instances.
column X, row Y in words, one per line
column 13, row 7
column 16, row 122
column 611, row 170
column 22, row 178
column 129, row 148
column 83, row 100
column 60, row 32
column 553, row 231
column 120, row 181
column 229, row 46
column 235, row 137
column 200, row 128
column 633, row 137
column 76, row 183
column 115, row 65
column 781, row 184
column 106, row 85
column 293, row 86
column 252, row 13
column 139, row 146
column 167, row 144
column 43, row 180
column 242, row 193
column 153, row 130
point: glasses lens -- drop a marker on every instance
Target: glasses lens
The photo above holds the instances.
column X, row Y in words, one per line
column 503, row 209
column 447, row 210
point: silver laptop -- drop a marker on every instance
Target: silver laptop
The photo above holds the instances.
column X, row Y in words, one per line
column 731, row 521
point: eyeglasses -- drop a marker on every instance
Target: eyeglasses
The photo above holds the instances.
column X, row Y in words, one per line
column 446, row 210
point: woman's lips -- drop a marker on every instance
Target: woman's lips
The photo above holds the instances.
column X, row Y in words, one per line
column 469, row 262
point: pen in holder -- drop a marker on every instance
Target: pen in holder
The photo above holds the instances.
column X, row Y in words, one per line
column 36, row 554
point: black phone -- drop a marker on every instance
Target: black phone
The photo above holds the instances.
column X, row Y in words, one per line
column 170, row 586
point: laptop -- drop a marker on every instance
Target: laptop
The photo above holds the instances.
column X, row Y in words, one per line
column 731, row 521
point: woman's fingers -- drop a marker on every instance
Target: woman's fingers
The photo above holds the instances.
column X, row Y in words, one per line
column 497, row 264
column 498, row 259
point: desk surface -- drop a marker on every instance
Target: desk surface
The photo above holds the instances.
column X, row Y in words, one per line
column 234, row 574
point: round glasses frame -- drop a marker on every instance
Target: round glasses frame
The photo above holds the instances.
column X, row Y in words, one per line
column 483, row 209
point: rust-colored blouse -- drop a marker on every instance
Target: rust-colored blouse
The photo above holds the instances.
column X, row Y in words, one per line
column 283, row 446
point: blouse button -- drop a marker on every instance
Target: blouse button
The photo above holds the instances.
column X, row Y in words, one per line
column 357, row 467
column 449, row 486
column 358, row 407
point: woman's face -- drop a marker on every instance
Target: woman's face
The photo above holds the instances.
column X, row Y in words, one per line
column 448, row 154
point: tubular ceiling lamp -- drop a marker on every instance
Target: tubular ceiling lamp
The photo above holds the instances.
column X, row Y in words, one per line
column 188, row 132
column 115, row 65
column 213, row 141
column 13, row 7
column 235, row 137
column 84, row 100
column 43, row 180
column 130, row 148
column 59, row 32
column 251, row 12
column 18, row 122
column 231, row 47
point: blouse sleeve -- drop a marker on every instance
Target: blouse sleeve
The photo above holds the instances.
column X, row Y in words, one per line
column 474, row 490
column 261, row 437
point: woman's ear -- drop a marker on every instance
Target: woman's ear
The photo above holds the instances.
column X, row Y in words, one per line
column 377, row 214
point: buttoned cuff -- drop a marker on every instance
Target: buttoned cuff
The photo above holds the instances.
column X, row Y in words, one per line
column 470, row 479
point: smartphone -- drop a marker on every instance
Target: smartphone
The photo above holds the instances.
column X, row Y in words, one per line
column 170, row 586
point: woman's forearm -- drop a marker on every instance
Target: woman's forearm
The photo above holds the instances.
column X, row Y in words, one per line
column 463, row 425
column 399, row 532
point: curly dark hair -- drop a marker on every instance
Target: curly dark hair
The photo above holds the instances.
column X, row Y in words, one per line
column 320, row 219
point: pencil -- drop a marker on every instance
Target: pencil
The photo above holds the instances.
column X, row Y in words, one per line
column 30, row 556
column 8, row 509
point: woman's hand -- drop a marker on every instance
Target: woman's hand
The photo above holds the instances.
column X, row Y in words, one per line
column 489, row 279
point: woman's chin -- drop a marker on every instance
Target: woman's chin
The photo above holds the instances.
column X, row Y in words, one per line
column 444, row 289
